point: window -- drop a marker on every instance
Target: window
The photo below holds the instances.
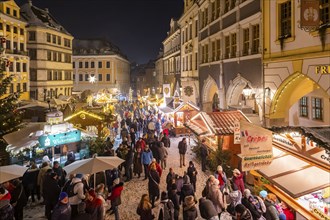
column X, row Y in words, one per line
column 67, row 42
column 67, row 75
column 59, row 40
column 74, row 77
column 92, row 64
column 100, row 78
column 59, row 57
column 196, row 58
column 1, row 26
column 48, row 37
column 14, row 13
column 18, row 67
column 59, row 75
column 217, row 13
column 74, row 65
column 80, row 77
column 24, row 67
column 8, row 10
column 54, row 39
column 246, row 41
column 108, row 77
column 15, row 30
column 18, row 87
column 317, row 108
column 33, row 75
column 191, row 63
column 86, row 77
column 21, row 31
column 21, row 46
column 7, row 28
column 55, row 75
column 233, row 45
column 227, row 46
column 24, row 87
column 255, row 39
column 218, row 53
column 285, row 22
column 190, row 31
column 8, row 44
column 213, row 9
column 324, row 11
column 80, row 65
column 214, row 51
column 49, row 75
column 11, row 90
column 207, row 53
column 86, row 64
column 100, row 64
column 196, row 28
column 33, row 54
column 303, row 107
column 108, row 64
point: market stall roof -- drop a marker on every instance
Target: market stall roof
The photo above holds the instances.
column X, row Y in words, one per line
column 293, row 175
column 188, row 105
column 26, row 137
column 218, row 123
column 166, row 109
column 34, row 103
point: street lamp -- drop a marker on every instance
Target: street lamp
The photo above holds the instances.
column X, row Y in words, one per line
column 246, row 92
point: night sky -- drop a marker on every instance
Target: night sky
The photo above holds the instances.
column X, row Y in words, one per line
column 138, row 27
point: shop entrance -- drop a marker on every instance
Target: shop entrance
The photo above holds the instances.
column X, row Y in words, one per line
column 210, row 95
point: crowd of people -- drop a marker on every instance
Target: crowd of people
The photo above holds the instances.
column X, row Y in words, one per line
column 144, row 147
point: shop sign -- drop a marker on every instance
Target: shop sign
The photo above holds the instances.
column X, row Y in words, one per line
column 255, row 139
column 309, row 14
column 237, row 135
column 52, row 140
column 320, row 214
column 254, row 162
column 167, row 90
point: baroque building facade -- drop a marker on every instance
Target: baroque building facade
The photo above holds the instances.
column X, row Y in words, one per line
column 98, row 64
column 296, row 63
column 14, row 39
column 50, row 52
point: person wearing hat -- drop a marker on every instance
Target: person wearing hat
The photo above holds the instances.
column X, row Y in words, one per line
column 62, row 210
column 271, row 211
column 207, row 209
column 216, row 196
column 187, row 189
column 51, row 192
column 238, row 180
column 78, row 194
column 94, row 206
column 6, row 209
column 243, row 213
column 146, row 158
column 251, row 203
column 221, row 176
column 189, row 209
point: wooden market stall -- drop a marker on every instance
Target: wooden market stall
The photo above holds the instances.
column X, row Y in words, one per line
column 218, row 126
column 299, row 174
column 183, row 114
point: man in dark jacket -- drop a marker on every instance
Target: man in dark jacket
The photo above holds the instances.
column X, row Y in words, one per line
column 51, row 192
column 170, row 179
column 166, row 141
column 82, row 215
column 60, row 173
column 128, row 164
column 207, row 209
column 182, row 151
column 174, row 197
column 204, row 154
column 18, row 199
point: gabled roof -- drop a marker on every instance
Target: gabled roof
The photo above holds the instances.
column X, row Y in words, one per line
column 190, row 105
column 85, row 113
column 218, row 123
column 39, row 17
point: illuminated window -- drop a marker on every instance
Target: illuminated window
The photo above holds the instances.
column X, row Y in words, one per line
column 324, row 11
column 255, row 39
column 317, row 108
column 285, row 16
column 303, row 107
column 246, row 41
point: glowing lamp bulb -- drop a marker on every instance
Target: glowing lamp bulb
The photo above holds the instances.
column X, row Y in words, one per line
column 92, row 79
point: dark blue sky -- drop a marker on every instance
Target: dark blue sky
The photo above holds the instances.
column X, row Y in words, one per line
column 138, row 27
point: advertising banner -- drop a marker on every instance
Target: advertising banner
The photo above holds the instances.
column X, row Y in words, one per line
column 255, row 139
column 52, row 140
column 309, row 14
column 167, row 90
column 254, row 162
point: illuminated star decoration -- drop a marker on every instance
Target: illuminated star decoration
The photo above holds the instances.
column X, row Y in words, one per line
column 92, row 79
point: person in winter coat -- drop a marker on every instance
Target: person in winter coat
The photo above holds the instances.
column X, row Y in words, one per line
column 144, row 209
column 235, row 197
column 41, row 175
column 99, row 190
column 51, row 192
column 162, row 155
column 221, row 176
column 216, row 196
column 137, row 163
column 174, row 197
column 62, row 210
column 192, row 173
column 207, row 209
column 238, row 180
column 60, row 173
column 146, row 160
column 248, row 201
column 18, row 197
column 153, row 184
column 271, row 211
column 158, row 167
column 128, row 164
column 287, row 211
column 115, row 197
column 204, row 154
column 182, row 151
column 170, row 179
column 82, row 215
column 189, row 210
column 94, row 206
column 187, row 189
column 166, row 140
column 208, row 185
column 140, row 143
column 242, row 213
column 29, row 182
column 79, row 194
column 155, row 149
column 165, row 202
column 6, row 209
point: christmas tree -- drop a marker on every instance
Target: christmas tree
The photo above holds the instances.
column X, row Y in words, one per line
column 10, row 117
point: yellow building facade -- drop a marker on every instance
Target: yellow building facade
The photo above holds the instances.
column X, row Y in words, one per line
column 296, row 65
column 13, row 29
column 50, row 51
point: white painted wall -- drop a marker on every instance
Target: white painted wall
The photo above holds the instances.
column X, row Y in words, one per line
column 295, row 120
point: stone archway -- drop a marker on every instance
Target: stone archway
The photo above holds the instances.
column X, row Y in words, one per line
column 235, row 89
column 210, row 88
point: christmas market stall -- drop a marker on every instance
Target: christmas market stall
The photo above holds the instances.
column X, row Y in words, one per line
column 299, row 174
column 183, row 114
column 216, row 128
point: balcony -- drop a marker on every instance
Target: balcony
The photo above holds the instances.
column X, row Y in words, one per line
column 18, row 52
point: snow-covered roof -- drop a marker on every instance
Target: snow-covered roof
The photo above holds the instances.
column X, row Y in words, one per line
column 40, row 17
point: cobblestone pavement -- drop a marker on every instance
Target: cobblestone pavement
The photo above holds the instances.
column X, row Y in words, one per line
column 134, row 189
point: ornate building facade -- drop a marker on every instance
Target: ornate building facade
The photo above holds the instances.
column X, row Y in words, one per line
column 50, row 51
column 98, row 64
column 14, row 39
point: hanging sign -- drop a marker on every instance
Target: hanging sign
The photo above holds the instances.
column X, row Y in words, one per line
column 254, row 162
column 52, row 140
column 309, row 14
column 237, row 135
column 167, row 90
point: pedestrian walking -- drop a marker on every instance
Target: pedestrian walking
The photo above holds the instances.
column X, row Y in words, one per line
column 162, row 155
column 76, row 193
column 192, row 173
column 174, row 197
column 182, row 151
column 137, row 162
column 115, row 197
column 146, row 160
column 153, row 184
column 51, row 192
column 204, row 154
